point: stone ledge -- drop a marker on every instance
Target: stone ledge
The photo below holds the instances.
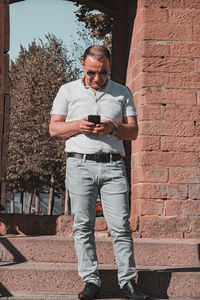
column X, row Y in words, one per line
column 43, row 225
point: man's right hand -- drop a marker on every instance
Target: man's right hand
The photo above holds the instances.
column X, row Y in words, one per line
column 86, row 127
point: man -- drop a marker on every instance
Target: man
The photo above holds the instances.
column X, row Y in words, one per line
column 95, row 165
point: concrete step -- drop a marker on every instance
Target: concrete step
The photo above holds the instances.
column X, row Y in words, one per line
column 45, row 296
column 172, row 252
column 62, row 279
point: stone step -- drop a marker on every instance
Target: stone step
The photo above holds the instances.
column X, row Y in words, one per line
column 148, row 252
column 62, row 279
column 46, row 296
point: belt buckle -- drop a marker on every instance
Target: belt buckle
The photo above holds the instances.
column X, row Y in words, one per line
column 98, row 157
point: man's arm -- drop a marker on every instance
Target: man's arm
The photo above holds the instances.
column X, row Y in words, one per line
column 129, row 129
column 61, row 129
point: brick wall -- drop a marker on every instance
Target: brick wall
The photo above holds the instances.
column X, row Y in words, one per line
column 164, row 76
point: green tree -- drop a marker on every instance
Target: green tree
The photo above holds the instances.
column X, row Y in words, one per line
column 97, row 23
column 35, row 77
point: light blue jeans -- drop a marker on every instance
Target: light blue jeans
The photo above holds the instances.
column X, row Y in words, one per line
column 84, row 180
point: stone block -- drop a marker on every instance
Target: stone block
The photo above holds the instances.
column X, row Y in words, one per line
column 158, row 191
column 149, row 174
column 164, row 3
column 187, row 16
column 164, row 226
column 166, row 127
column 182, row 81
column 167, row 32
column 180, row 144
column 168, row 65
column 184, row 175
column 189, row 49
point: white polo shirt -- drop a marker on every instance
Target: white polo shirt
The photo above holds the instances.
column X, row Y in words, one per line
column 112, row 102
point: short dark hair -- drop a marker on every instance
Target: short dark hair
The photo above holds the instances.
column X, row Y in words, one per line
column 97, row 51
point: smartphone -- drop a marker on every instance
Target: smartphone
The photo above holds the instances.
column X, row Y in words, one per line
column 96, row 119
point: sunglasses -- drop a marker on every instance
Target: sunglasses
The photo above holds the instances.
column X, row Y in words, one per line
column 101, row 74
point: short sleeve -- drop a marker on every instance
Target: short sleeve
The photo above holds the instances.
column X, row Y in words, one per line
column 129, row 106
column 60, row 106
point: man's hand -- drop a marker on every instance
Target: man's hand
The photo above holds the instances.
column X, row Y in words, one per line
column 104, row 128
column 86, row 127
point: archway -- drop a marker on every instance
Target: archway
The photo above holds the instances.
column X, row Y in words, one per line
column 123, row 15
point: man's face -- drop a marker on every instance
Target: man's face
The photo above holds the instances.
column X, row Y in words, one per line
column 96, row 72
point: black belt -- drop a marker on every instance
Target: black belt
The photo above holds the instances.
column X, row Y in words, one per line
column 98, row 157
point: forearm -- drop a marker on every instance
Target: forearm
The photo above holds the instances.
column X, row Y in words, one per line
column 127, row 131
column 64, row 129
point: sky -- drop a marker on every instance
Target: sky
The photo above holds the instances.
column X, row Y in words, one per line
column 32, row 19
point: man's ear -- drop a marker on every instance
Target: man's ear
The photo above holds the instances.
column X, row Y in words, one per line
column 83, row 64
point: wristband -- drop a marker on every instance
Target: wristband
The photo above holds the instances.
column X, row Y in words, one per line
column 115, row 127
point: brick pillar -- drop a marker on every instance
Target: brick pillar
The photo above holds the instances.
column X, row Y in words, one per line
column 163, row 75
column 4, row 94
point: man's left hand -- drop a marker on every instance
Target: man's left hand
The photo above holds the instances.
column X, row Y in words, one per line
column 104, row 128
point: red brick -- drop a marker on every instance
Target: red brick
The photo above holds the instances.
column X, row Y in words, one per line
column 187, row 16
column 147, row 80
column 159, row 226
column 167, row 32
column 159, row 191
column 167, row 65
column 184, row 175
column 154, row 48
column 149, row 112
column 192, row 4
column 194, row 191
column 153, row 96
column 133, row 222
column 164, row 127
column 138, row 22
column 156, row 15
column 136, row 69
column 148, row 207
column 134, row 58
column 196, row 33
column 182, row 208
column 149, row 174
column 100, row 224
column 194, row 231
column 182, row 81
column 198, row 97
column 181, row 113
column 64, row 225
column 174, row 159
column 197, row 65
column 164, row 3
column 135, row 160
column 190, row 50
column 197, row 129
column 171, row 143
column 146, row 143
column 138, row 35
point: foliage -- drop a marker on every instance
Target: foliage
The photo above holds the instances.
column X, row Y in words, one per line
column 35, row 77
column 99, row 24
